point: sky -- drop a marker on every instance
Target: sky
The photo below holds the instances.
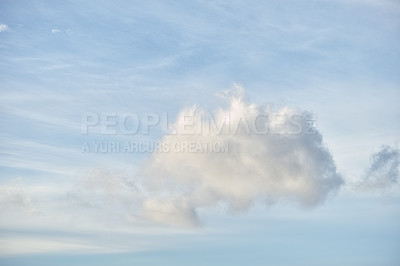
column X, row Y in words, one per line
column 96, row 100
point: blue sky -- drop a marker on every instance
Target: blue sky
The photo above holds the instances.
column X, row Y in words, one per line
column 61, row 60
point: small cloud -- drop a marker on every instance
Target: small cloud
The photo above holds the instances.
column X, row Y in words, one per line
column 12, row 196
column 383, row 172
column 55, row 31
column 4, row 27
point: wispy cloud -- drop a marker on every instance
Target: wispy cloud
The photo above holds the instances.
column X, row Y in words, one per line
column 24, row 245
column 383, row 173
column 4, row 27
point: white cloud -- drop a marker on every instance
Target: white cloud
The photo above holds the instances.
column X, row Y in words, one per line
column 172, row 187
column 55, row 31
column 259, row 167
column 4, row 27
column 13, row 196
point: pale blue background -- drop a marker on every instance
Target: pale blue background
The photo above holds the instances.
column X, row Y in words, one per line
column 339, row 59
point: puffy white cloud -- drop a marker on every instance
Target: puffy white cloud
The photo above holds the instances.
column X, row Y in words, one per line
column 289, row 162
column 383, row 172
column 265, row 155
column 4, row 27
column 272, row 155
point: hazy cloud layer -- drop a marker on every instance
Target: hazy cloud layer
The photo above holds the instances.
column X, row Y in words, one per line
column 273, row 156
